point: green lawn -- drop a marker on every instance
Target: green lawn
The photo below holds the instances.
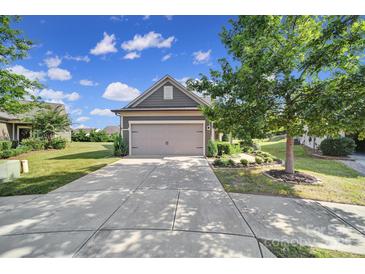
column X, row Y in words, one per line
column 285, row 250
column 51, row 169
column 339, row 183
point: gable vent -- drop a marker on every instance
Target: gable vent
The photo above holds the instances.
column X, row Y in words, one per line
column 167, row 93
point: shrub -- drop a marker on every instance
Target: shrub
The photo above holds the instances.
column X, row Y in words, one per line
column 34, row 143
column 259, row 160
column 230, row 162
column 244, row 162
column 57, row 143
column 80, row 136
column 256, row 146
column 212, row 149
column 342, row 146
column 120, row 146
column 227, row 148
column 99, row 136
column 224, row 137
column 218, row 162
column 7, row 153
column 247, row 149
column 268, row 160
column 5, row 145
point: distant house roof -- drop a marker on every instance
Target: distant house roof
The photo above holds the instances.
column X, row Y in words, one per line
column 86, row 129
column 19, row 117
column 111, row 129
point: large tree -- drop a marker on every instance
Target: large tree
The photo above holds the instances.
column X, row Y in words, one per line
column 294, row 73
column 14, row 88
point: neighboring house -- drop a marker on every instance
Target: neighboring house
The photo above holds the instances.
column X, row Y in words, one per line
column 312, row 141
column 15, row 128
column 165, row 120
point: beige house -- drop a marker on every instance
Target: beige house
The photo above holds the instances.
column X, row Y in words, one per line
column 16, row 128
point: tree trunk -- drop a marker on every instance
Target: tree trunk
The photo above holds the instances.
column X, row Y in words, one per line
column 289, row 159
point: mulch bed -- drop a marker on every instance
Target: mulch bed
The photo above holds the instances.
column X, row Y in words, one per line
column 296, row 178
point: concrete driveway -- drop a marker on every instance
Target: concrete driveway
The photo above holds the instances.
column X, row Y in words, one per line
column 160, row 207
column 168, row 207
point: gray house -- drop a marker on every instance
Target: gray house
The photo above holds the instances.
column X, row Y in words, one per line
column 165, row 120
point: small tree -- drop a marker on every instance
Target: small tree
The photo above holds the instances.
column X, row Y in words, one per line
column 14, row 88
column 49, row 121
column 290, row 72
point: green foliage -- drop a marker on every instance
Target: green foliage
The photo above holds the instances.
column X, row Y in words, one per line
column 120, row 146
column 218, row 162
column 34, row 143
column 7, row 153
column 244, row 162
column 212, row 149
column 80, row 136
column 99, row 136
column 14, row 88
column 259, row 160
column 48, row 121
column 224, row 137
column 276, row 82
column 342, row 146
column 4, row 145
column 57, row 143
column 225, row 148
column 230, row 162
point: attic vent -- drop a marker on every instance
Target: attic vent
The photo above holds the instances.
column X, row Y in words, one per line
column 167, row 93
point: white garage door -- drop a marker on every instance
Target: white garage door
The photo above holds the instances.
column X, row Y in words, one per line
column 167, row 139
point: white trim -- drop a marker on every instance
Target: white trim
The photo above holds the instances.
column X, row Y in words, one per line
column 162, row 122
column 13, row 132
column 17, row 130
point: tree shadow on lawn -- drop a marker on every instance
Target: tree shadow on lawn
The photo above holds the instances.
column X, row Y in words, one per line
column 44, row 184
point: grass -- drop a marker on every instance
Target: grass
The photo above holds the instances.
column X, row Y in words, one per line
column 51, row 169
column 286, row 250
column 339, row 182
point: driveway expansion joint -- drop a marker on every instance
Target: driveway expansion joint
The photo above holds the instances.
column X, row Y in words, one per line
column 177, row 204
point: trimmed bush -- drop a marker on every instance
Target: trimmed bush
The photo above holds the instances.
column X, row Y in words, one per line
column 268, row 160
column 212, row 149
column 5, row 145
column 227, row 148
column 7, row 153
column 342, row 146
column 259, row 160
column 244, row 162
column 58, row 143
column 34, row 143
column 230, row 162
column 218, row 162
column 120, row 146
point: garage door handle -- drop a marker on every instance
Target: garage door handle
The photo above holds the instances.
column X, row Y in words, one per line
column 134, row 131
column 199, row 131
column 167, row 143
column 134, row 147
column 199, row 147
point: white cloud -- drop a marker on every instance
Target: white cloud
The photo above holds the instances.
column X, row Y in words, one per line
column 57, row 96
column 149, row 40
column 59, row 74
column 102, row 112
column 49, row 52
column 117, row 18
column 79, row 126
column 154, row 79
column 83, row 119
column 132, row 55
column 85, row 58
column 107, row 45
column 201, row 57
column 183, row 80
column 169, row 17
column 146, row 17
column 76, row 111
column 52, row 62
column 88, row 83
column 31, row 75
column 166, row 57
column 118, row 91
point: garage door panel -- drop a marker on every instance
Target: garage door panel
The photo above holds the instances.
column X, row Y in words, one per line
column 167, row 139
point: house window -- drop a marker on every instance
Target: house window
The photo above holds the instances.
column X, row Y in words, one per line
column 167, row 93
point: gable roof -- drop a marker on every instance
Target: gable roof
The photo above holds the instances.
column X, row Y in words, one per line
column 160, row 83
column 31, row 113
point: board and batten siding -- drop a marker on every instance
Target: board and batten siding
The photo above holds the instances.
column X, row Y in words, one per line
column 156, row 99
column 164, row 118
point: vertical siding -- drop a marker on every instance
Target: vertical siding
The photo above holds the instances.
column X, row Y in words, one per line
column 180, row 99
column 4, row 131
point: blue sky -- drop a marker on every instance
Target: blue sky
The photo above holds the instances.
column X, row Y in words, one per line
column 91, row 63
